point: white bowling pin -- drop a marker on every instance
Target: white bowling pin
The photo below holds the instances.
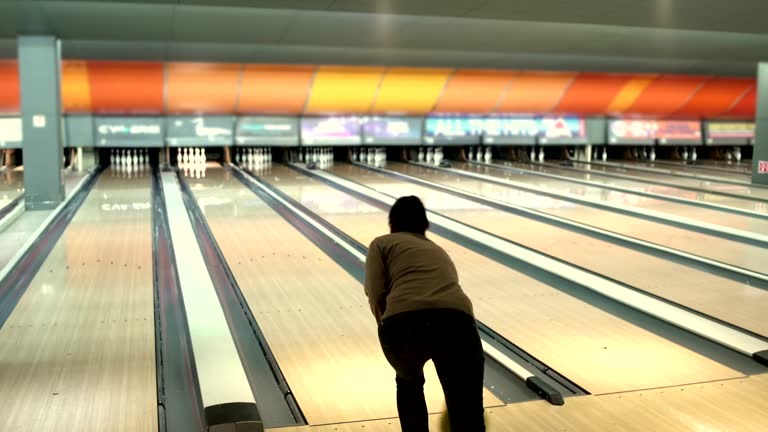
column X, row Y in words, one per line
column 533, row 154
column 694, row 155
column 430, row 155
column 737, row 153
column 685, row 153
column 471, row 154
column 479, row 154
column 605, row 154
column 488, row 155
column 653, row 154
column 420, row 156
column 541, row 155
column 112, row 157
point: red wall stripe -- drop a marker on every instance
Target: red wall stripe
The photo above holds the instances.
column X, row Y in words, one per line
column 10, row 93
column 666, row 95
column 591, row 94
column 715, row 98
column 126, row 87
column 746, row 107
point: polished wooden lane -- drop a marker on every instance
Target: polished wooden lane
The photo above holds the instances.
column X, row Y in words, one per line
column 635, row 185
column 602, row 195
column 726, row 406
column 727, row 251
column 11, row 185
column 597, row 350
column 737, row 303
column 755, row 192
column 314, row 315
column 78, row 352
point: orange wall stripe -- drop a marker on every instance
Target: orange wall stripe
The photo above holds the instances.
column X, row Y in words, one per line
column 666, row 95
column 10, row 87
column 629, row 94
column 715, row 97
column 590, row 94
column 339, row 89
column 202, row 88
column 119, row 87
column 473, row 91
column 410, row 91
column 75, row 87
column 274, row 89
column 535, row 92
column 745, row 108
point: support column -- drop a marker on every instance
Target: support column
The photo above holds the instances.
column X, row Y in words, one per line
column 40, row 75
column 760, row 154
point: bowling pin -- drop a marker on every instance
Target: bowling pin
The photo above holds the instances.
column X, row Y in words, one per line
column 653, row 154
column 479, row 154
column 533, row 154
column 112, row 157
column 471, row 154
column 605, row 154
column 488, row 155
column 685, row 153
column 135, row 157
column 738, row 154
column 694, row 156
column 420, row 155
column 430, row 155
column 541, row 155
column 371, row 157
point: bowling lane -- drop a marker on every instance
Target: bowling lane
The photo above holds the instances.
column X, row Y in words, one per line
column 11, row 186
column 594, row 348
column 709, row 185
column 595, row 193
column 686, row 169
column 634, row 185
column 78, row 352
column 730, row 301
column 744, row 166
column 313, row 314
column 727, row 251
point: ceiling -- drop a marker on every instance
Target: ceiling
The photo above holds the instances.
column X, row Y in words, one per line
column 665, row 36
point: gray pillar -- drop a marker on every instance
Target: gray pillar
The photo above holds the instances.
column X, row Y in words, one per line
column 39, row 73
column 760, row 155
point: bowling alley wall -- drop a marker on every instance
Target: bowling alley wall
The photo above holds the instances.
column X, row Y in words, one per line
column 151, row 88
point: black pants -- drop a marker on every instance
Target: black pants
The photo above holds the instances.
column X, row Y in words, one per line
column 450, row 339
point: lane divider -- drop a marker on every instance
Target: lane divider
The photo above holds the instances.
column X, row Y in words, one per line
column 226, row 395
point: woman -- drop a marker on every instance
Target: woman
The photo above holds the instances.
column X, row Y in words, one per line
column 422, row 312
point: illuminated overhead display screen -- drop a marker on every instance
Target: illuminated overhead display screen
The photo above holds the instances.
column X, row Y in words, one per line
column 562, row 130
column 330, row 131
column 129, row 131
column 453, row 130
column 730, row 133
column 264, row 130
column 678, row 132
column 392, row 130
column 199, row 131
column 10, row 132
column 511, row 130
column 632, row 132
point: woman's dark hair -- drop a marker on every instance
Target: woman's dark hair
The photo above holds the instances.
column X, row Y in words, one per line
column 408, row 215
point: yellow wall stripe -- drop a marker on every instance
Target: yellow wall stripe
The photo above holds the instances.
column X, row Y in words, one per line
column 410, row 91
column 339, row 89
